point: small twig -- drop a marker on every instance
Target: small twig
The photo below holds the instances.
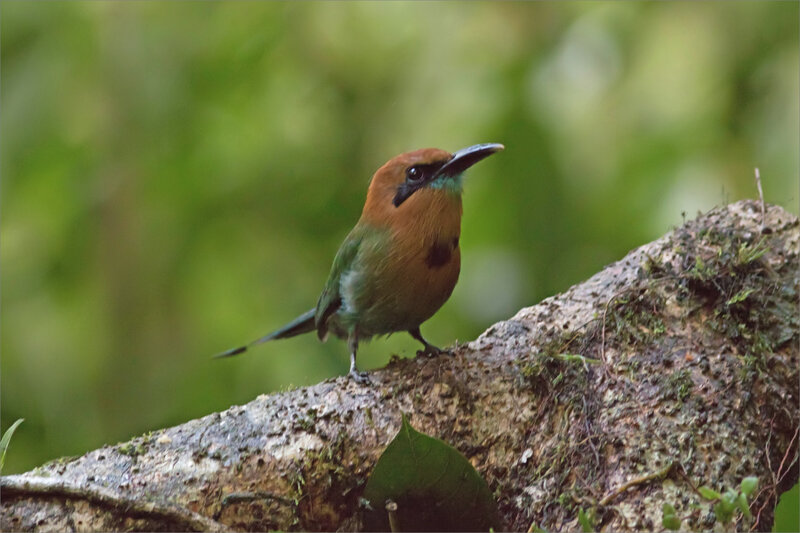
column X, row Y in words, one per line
column 766, row 451
column 239, row 497
column 22, row 486
column 767, row 488
column 761, row 197
column 603, row 334
column 785, row 455
column 682, row 472
column 636, row 481
column 394, row 521
column 603, row 329
column 776, row 477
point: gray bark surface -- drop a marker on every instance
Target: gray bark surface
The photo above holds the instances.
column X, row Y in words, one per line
column 673, row 368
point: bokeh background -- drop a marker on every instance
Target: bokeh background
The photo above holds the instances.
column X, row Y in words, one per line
column 176, row 177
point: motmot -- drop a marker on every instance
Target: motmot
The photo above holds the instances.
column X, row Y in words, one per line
column 401, row 261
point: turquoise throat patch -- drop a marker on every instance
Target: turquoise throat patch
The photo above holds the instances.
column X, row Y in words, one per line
column 452, row 184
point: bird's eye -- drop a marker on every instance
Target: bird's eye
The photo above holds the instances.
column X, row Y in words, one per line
column 414, row 174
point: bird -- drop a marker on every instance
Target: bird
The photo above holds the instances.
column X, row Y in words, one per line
column 400, row 262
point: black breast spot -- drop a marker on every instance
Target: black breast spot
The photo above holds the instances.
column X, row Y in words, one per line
column 439, row 254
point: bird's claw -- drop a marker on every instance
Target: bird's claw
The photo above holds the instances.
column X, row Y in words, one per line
column 362, row 378
column 432, row 351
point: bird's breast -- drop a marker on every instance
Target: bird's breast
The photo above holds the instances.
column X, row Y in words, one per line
column 426, row 234
column 402, row 282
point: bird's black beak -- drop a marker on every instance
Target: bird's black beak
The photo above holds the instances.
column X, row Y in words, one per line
column 463, row 159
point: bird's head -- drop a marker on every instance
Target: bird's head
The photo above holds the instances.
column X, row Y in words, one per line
column 429, row 168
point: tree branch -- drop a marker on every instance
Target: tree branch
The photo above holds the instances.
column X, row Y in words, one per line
column 46, row 488
column 684, row 353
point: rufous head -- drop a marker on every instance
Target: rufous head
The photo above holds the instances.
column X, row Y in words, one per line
column 428, row 168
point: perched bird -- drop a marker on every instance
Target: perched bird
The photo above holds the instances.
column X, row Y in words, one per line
column 400, row 262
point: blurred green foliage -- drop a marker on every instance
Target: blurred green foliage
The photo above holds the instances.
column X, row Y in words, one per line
column 176, row 177
column 787, row 517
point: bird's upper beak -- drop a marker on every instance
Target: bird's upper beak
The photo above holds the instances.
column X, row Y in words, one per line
column 463, row 159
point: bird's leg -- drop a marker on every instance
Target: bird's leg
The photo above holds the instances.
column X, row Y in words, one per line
column 355, row 375
column 430, row 349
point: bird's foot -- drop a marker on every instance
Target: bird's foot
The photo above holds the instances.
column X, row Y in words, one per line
column 432, row 351
column 362, row 378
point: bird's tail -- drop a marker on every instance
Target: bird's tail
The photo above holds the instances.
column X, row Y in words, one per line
column 302, row 324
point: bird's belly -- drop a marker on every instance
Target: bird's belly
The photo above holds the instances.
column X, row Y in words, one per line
column 400, row 294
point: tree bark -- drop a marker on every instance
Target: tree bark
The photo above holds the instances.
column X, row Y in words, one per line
column 674, row 368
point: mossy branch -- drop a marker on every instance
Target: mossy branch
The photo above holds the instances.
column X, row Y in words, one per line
column 682, row 358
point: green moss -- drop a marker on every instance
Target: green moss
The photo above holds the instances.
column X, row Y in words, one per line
column 133, row 448
column 324, row 475
column 569, row 499
column 634, row 319
column 560, row 368
column 563, row 382
column 563, row 376
column 745, row 299
column 325, row 466
column 716, row 285
column 297, row 485
column 679, row 384
column 723, row 275
column 307, row 421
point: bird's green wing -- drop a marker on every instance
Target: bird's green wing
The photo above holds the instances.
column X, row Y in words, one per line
column 331, row 299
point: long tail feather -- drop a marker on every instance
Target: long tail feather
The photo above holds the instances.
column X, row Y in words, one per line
column 302, row 324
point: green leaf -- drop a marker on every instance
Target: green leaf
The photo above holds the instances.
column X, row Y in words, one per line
column 787, row 513
column 744, row 507
column 709, row 493
column 585, row 521
column 669, row 518
column 673, row 523
column 729, row 499
column 6, row 440
column 434, row 486
column 748, row 485
column 723, row 513
column 725, row 506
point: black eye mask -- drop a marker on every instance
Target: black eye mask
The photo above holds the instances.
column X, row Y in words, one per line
column 417, row 177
